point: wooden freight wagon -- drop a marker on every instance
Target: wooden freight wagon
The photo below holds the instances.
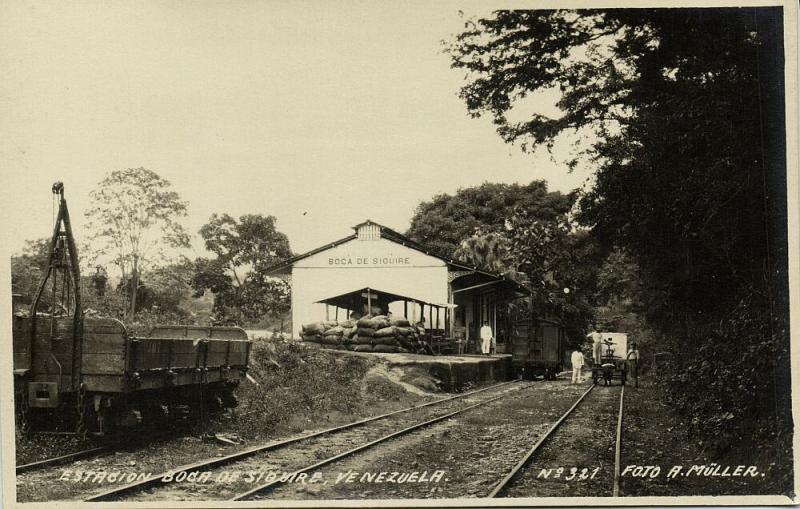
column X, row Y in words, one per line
column 537, row 348
column 121, row 379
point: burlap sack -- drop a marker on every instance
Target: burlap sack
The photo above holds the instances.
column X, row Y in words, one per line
column 400, row 321
column 385, row 332
column 362, row 340
column 365, row 332
column 362, row 348
column 314, row 328
column 384, row 349
column 377, row 322
column 389, row 341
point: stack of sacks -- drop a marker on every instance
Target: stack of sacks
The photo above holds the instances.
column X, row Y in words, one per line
column 370, row 334
column 384, row 335
column 330, row 334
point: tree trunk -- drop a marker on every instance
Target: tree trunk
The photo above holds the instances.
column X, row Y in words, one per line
column 134, row 287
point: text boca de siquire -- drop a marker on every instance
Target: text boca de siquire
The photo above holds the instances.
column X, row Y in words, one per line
column 709, row 470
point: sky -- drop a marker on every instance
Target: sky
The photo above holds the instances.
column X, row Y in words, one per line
column 321, row 114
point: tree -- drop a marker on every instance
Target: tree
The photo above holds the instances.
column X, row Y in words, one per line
column 243, row 250
column 447, row 220
column 682, row 111
column 560, row 263
column 134, row 217
column 490, row 252
column 28, row 268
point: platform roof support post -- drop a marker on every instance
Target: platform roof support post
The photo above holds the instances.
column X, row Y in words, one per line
column 327, row 312
column 405, row 309
column 451, row 316
column 369, row 302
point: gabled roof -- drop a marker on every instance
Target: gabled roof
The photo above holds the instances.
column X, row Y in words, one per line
column 282, row 266
column 388, row 234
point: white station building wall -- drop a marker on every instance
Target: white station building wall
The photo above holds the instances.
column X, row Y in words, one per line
column 374, row 263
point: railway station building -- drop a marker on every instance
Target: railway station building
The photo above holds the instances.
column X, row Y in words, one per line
column 380, row 270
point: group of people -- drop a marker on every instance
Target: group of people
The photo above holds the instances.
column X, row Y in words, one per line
column 578, row 361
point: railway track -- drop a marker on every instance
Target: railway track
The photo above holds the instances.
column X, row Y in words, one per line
column 63, row 459
column 302, row 453
column 523, row 475
column 92, row 452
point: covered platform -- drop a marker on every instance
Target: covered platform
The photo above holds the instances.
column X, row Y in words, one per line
column 358, row 303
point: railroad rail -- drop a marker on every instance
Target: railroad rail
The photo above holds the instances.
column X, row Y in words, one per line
column 121, row 492
column 66, row 458
column 92, row 452
column 506, row 482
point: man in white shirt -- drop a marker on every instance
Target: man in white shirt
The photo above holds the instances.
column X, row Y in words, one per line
column 486, row 338
column 577, row 365
column 597, row 345
column 632, row 361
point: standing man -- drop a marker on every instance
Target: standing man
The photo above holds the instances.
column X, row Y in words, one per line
column 632, row 359
column 486, row 338
column 577, row 365
column 597, row 345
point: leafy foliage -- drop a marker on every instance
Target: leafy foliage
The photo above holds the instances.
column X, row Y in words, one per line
column 489, row 251
column 29, row 267
column 133, row 219
column 447, row 220
column 683, row 111
column 560, row 262
column 237, row 276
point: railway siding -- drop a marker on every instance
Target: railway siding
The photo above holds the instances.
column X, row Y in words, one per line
column 578, row 458
column 474, row 450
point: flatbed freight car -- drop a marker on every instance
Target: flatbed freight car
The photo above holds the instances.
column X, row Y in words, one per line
column 81, row 374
